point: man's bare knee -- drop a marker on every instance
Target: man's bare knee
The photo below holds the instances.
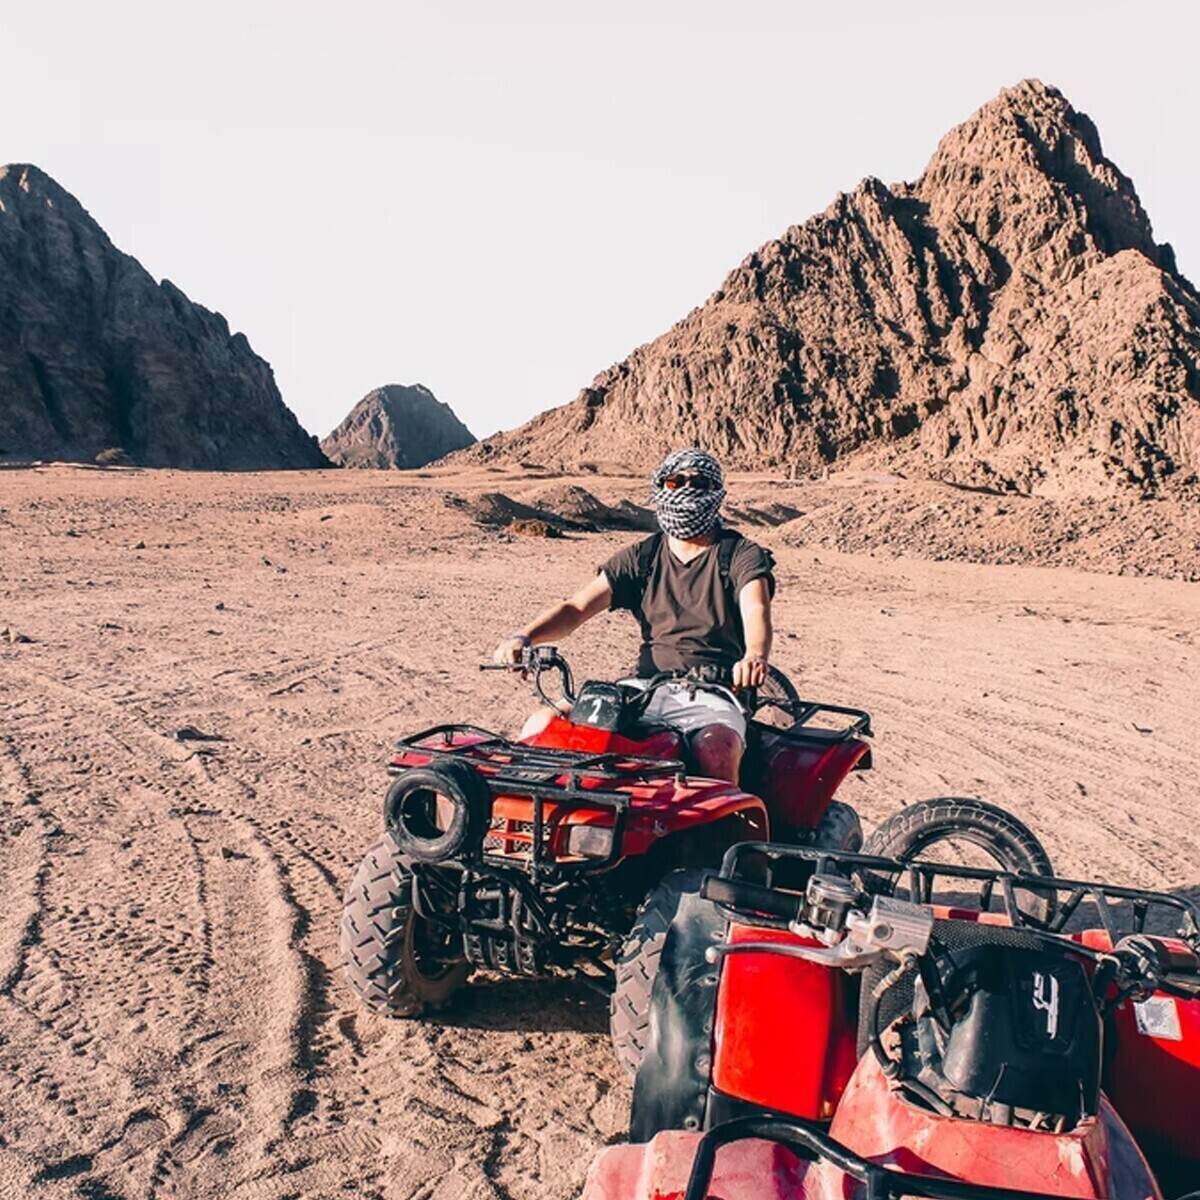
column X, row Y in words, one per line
column 717, row 752
column 536, row 723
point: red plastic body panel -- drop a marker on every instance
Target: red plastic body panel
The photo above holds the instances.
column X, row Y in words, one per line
column 784, row 1035
column 1154, row 1081
column 747, row 1170
column 797, row 780
column 1098, row 1158
column 659, row 1170
column 565, row 735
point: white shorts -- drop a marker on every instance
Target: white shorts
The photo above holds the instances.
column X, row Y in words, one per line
column 677, row 707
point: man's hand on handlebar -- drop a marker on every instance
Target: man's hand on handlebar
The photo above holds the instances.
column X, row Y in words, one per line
column 511, row 651
column 750, row 672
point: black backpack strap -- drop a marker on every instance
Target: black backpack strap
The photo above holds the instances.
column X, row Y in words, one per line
column 728, row 544
column 647, row 552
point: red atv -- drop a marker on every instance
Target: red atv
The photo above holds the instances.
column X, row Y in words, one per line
column 835, row 1033
column 532, row 857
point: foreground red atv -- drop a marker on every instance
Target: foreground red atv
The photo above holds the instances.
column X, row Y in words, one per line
column 839, row 1035
column 533, row 856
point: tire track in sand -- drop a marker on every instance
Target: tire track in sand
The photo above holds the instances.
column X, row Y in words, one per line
column 244, row 908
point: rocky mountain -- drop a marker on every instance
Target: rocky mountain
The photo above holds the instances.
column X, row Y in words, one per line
column 1006, row 321
column 397, row 426
column 96, row 356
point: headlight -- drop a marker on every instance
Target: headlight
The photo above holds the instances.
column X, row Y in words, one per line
column 590, row 841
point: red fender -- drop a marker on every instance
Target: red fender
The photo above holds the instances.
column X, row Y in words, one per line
column 798, row 779
column 1098, row 1158
column 784, row 1036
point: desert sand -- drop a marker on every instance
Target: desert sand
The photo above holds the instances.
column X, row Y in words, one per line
column 172, row 1017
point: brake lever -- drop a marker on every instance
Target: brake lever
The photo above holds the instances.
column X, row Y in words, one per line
column 893, row 929
column 846, row 955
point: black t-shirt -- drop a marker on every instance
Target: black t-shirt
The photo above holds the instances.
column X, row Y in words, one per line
column 688, row 617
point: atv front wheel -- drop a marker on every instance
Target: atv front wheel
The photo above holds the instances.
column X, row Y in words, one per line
column 398, row 963
column 637, row 965
column 838, row 829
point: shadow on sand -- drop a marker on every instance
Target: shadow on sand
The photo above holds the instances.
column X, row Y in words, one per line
column 521, row 1005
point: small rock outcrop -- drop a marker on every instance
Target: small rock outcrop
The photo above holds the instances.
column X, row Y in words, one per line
column 397, row 427
column 1007, row 321
column 97, row 358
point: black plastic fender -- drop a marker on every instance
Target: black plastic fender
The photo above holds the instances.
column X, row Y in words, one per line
column 670, row 1090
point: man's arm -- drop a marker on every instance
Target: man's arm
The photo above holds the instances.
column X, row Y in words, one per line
column 559, row 621
column 754, row 601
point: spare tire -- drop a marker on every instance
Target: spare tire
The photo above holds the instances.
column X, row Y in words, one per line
column 1007, row 840
column 439, row 812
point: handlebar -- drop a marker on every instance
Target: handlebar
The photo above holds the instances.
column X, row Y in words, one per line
column 1142, row 964
column 534, row 661
column 856, row 928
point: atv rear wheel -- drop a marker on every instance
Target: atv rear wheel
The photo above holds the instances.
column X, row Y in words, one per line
column 838, row 829
column 398, row 963
column 1010, row 843
column 637, row 966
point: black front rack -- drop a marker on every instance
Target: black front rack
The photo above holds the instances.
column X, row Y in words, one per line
column 539, row 765
column 810, row 1143
column 545, row 774
column 918, row 877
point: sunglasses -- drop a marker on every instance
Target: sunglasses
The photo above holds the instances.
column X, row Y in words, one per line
column 699, row 483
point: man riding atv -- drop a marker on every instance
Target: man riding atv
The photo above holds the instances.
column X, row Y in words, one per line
column 702, row 595
column 567, row 848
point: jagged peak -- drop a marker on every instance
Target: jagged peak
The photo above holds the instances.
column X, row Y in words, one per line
column 1029, row 141
column 397, row 425
column 31, row 180
column 25, row 187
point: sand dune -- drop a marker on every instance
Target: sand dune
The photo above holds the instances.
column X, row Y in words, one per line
column 172, row 1020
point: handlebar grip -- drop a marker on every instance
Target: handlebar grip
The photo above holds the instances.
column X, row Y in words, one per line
column 1181, row 959
column 1186, row 984
column 751, row 897
column 500, row 666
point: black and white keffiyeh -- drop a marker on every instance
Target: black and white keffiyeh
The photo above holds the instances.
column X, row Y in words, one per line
column 688, row 513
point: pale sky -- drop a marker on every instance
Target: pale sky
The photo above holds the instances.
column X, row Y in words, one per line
column 499, row 200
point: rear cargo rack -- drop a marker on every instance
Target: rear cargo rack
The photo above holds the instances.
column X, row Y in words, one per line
column 544, row 774
column 803, row 711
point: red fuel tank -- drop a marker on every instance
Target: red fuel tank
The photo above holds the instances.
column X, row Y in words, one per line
column 784, row 1036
